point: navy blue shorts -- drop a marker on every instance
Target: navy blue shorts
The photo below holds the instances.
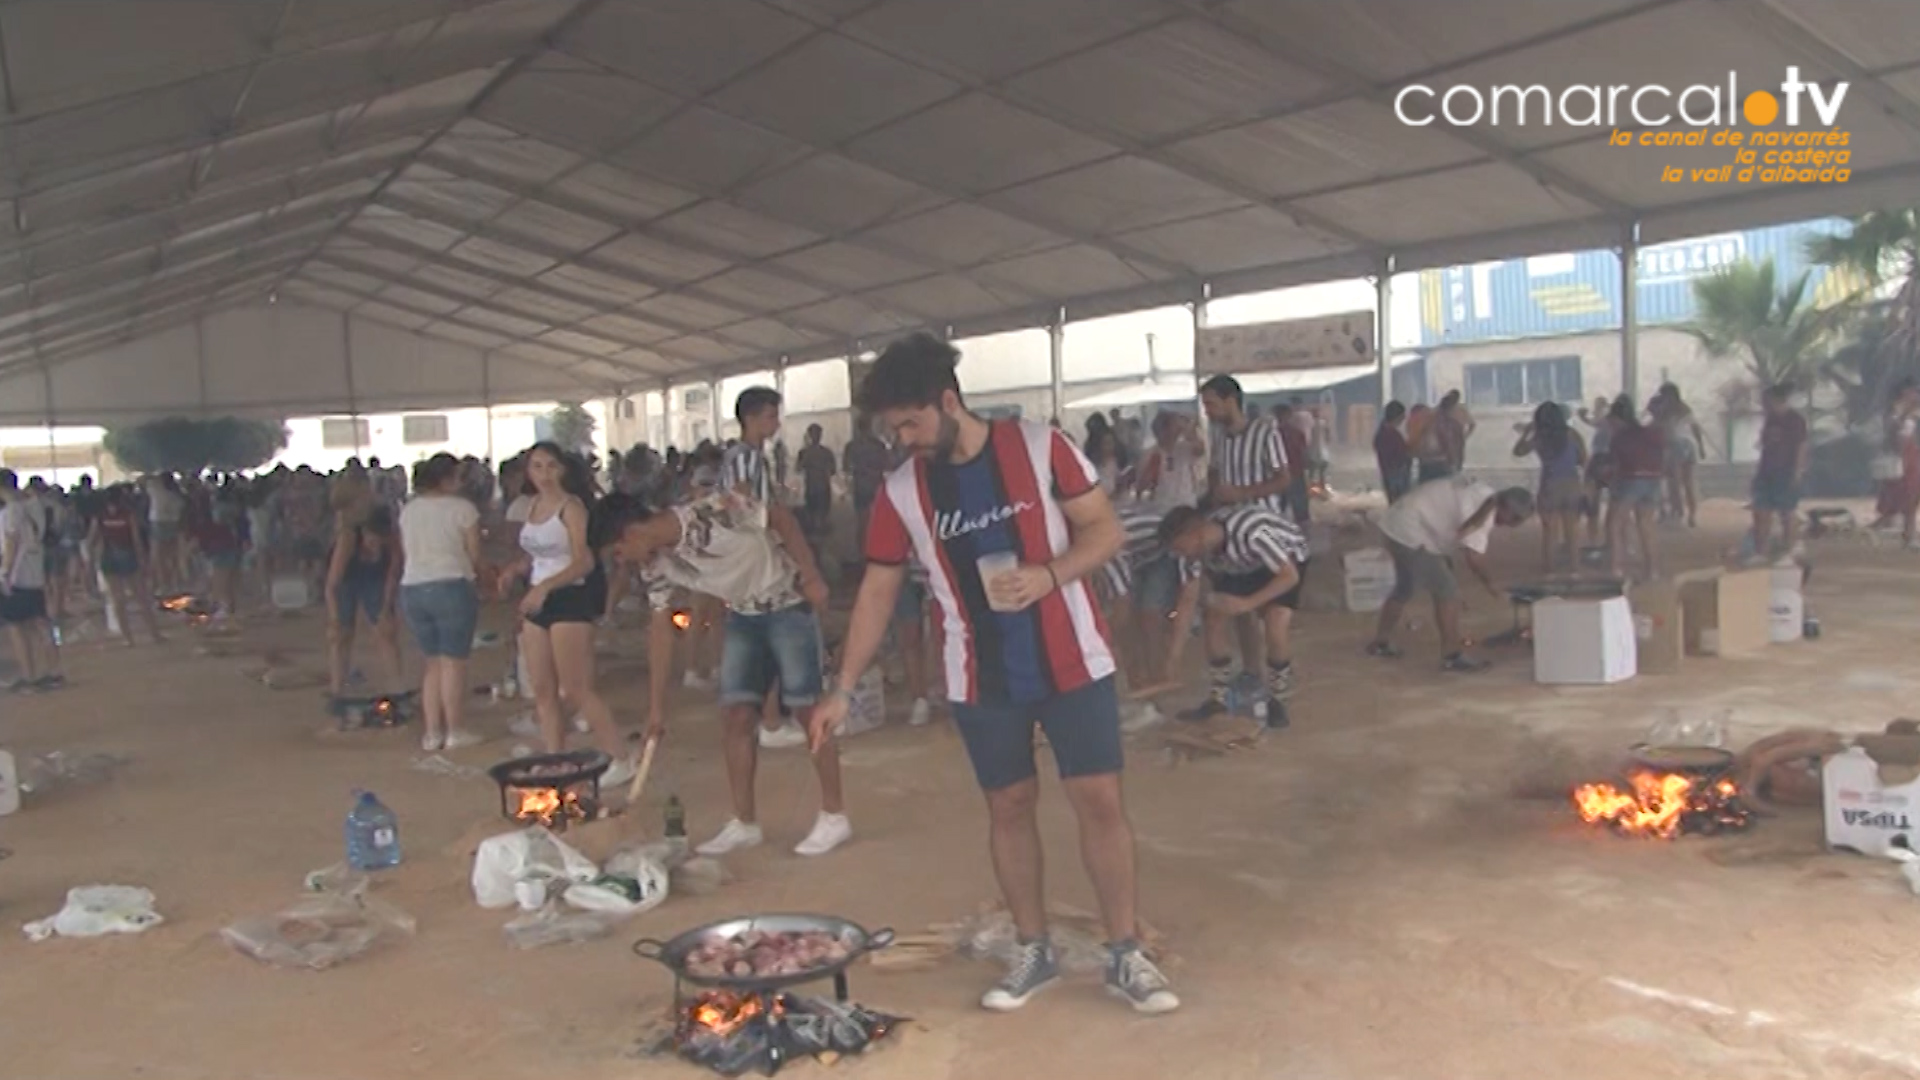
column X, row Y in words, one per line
column 1082, row 727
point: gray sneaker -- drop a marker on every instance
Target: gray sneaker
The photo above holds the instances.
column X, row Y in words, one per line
column 1134, row 979
column 1034, row 969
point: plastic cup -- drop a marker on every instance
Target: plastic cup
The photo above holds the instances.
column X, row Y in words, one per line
column 993, row 566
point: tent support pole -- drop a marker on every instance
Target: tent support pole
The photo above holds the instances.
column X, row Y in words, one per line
column 780, row 387
column 353, row 400
column 1630, row 311
column 713, row 407
column 1057, row 358
column 53, row 420
column 669, row 440
column 1199, row 330
column 200, row 359
column 486, row 399
column 1383, row 329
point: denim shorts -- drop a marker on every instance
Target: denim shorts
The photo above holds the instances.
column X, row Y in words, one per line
column 1775, row 494
column 1420, row 570
column 1156, row 585
column 778, row 646
column 1082, row 728
column 1637, row 491
column 357, row 594
column 442, row 616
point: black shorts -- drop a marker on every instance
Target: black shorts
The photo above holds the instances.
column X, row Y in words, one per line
column 583, row 602
column 1082, row 726
column 19, row 606
column 1251, row 583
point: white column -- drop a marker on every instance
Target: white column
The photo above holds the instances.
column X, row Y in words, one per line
column 486, row 402
column 1057, row 360
column 672, row 437
column 1383, row 329
column 713, row 405
column 53, row 420
column 353, row 400
column 1630, row 312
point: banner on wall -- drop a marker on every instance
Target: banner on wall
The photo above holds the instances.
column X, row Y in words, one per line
column 1322, row 341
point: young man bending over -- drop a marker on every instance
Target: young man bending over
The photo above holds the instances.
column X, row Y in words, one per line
column 1256, row 561
column 1009, row 520
column 718, row 545
column 1424, row 531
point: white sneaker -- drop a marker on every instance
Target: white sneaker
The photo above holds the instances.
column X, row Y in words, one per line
column 1139, row 717
column 693, row 681
column 432, row 743
column 921, row 713
column 461, row 738
column 619, row 774
column 829, row 832
column 580, row 724
column 526, row 725
column 737, row 836
column 784, row 737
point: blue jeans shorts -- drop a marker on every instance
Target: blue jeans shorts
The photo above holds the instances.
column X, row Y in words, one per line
column 1637, row 491
column 442, row 616
column 1082, row 728
column 1156, row 586
column 1775, row 494
column 357, row 594
column 759, row 650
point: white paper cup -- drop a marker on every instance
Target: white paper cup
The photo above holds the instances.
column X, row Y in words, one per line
column 531, row 895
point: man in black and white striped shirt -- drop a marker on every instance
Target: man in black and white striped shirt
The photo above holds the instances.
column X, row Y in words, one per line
column 1256, row 561
column 1246, row 460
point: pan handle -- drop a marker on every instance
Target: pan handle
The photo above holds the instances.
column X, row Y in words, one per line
column 649, row 949
column 880, row 938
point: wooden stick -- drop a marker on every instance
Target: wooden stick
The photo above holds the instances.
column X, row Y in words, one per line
column 640, row 775
column 1155, row 690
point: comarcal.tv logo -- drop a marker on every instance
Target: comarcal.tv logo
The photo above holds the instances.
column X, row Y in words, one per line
column 1796, row 120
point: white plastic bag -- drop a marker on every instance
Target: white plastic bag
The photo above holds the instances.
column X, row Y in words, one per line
column 95, row 910
column 521, row 856
column 592, row 896
column 320, row 930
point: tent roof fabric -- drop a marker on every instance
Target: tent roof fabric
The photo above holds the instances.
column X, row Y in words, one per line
column 658, row 190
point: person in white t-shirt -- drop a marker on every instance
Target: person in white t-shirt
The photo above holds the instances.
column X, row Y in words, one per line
column 440, row 553
column 23, row 587
column 165, row 508
column 1424, row 530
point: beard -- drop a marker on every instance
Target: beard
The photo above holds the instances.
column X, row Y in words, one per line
column 949, row 436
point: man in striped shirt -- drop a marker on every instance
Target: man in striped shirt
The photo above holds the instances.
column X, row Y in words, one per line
column 1009, row 519
column 744, row 469
column 1247, row 463
column 1256, row 561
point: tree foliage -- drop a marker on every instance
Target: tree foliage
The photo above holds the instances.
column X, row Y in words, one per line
column 573, row 426
column 1880, row 250
column 1774, row 330
column 182, row 445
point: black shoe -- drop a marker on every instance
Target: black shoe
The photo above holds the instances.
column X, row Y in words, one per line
column 1462, row 664
column 1206, row 710
column 1277, row 719
column 1382, row 650
column 50, row 682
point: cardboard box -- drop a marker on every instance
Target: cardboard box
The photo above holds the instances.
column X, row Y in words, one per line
column 1583, row 642
column 1369, row 578
column 1868, row 803
column 1726, row 612
column 1658, row 627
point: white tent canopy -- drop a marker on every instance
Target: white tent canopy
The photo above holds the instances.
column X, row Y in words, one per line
column 611, row 194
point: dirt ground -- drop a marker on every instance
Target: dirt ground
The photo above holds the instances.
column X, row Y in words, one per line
column 1364, row 896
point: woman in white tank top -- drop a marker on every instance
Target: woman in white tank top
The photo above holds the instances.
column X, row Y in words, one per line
column 567, row 595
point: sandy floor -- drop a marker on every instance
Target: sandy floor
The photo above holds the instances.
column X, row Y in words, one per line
column 1361, row 897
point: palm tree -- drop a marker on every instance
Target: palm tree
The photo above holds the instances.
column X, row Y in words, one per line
column 1779, row 335
column 1881, row 250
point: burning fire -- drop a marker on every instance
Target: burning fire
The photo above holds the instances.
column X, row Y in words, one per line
column 682, row 620
column 547, row 805
column 1663, row 805
column 721, row 1014
column 177, row 603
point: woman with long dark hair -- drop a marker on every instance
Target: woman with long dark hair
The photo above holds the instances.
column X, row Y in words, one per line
column 567, row 595
column 1639, row 462
column 1686, row 444
column 1562, row 456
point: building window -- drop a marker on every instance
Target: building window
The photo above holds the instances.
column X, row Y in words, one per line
column 427, row 429
column 696, row 397
column 344, row 434
column 1520, row 383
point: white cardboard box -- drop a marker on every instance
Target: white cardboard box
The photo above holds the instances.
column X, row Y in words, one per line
column 1369, row 578
column 1864, row 811
column 1583, row 642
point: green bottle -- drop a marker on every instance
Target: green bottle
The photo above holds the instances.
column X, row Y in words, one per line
column 676, row 818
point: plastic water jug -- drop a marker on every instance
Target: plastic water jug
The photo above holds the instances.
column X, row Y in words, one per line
column 290, row 592
column 373, row 834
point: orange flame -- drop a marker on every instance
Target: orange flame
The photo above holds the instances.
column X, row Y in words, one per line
column 723, row 1014
column 1653, row 804
column 682, row 620
column 178, row 603
column 546, row 805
